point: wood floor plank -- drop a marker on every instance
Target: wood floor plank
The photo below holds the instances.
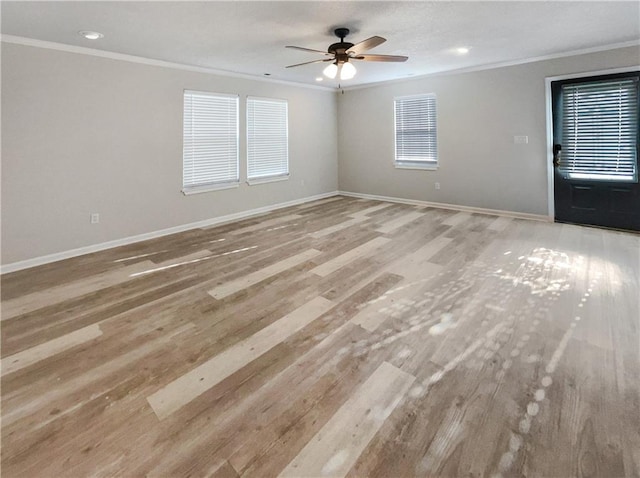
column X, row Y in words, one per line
column 363, row 213
column 500, row 223
column 266, row 224
column 335, row 449
column 373, row 314
column 223, row 470
column 232, row 287
column 336, row 263
column 192, row 258
column 416, row 270
column 409, row 266
column 265, row 405
column 338, row 227
column 45, row 350
column 398, row 222
column 27, row 303
column 42, row 325
column 75, row 289
column 189, row 386
column 22, row 408
column 457, row 218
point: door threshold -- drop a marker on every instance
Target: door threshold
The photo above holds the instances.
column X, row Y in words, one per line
column 595, row 226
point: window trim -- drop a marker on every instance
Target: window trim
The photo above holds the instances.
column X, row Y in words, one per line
column 256, row 180
column 220, row 185
column 268, row 179
column 431, row 166
column 209, row 187
column 424, row 165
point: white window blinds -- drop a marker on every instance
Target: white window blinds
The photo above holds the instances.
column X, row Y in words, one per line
column 210, row 140
column 600, row 130
column 267, row 138
column 416, row 132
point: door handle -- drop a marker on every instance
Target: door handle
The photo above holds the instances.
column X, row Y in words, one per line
column 557, row 150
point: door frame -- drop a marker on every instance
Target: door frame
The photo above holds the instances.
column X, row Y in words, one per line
column 548, row 104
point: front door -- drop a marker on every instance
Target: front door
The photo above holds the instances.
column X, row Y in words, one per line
column 595, row 145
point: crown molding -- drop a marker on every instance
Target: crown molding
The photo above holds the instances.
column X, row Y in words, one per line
column 492, row 66
column 18, row 40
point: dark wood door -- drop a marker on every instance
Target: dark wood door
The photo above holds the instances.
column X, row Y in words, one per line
column 595, row 128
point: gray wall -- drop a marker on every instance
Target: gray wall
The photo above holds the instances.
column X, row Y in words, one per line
column 83, row 134
column 478, row 114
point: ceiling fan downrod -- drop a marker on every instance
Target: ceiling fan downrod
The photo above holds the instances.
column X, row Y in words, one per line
column 341, row 33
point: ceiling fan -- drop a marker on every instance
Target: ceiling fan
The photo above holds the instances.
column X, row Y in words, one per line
column 342, row 52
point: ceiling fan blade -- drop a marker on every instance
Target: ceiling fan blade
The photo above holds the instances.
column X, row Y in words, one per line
column 307, row 49
column 367, row 44
column 381, row 58
column 309, row 62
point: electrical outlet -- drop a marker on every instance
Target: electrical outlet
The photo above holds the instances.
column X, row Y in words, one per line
column 95, row 218
column 437, row 185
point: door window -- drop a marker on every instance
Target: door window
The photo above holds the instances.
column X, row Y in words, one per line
column 599, row 130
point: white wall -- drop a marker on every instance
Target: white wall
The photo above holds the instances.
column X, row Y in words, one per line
column 83, row 134
column 478, row 115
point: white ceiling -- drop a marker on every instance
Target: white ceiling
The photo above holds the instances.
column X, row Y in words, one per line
column 249, row 37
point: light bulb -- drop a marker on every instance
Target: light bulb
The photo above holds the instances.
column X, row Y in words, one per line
column 331, row 70
column 348, row 71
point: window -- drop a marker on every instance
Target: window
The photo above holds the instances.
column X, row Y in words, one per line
column 267, row 139
column 600, row 130
column 210, row 141
column 416, row 133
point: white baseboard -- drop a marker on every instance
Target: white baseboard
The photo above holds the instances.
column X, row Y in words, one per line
column 454, row 207
column 58, row 256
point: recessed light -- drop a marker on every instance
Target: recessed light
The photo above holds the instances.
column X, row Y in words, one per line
column 91, row 35
column 463, row 50
column 319, row 78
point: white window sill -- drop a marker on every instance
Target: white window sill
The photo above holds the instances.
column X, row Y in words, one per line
column 424, row 167
column 269, row 179
column 209, row 188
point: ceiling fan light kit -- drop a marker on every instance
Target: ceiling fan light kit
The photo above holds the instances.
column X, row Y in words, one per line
column 347, row 71
column 331, row 71
column 342, row 52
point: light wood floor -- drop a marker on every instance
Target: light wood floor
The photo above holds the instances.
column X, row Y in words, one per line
column 343, row 337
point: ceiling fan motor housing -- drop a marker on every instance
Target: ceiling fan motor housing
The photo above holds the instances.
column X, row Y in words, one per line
column 340, row 48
